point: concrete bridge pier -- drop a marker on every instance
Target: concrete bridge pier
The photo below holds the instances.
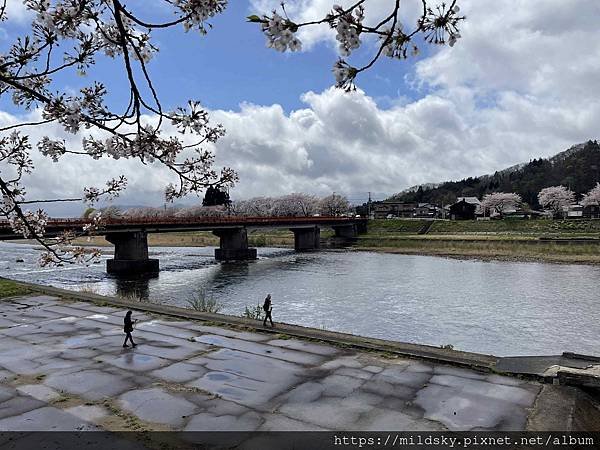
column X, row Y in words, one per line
column 306, row 239
column 131, row 254
column 345, row 231
column 234, row 245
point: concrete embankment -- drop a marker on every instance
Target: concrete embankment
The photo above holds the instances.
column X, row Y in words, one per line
column 61, row 353
column 569, row 367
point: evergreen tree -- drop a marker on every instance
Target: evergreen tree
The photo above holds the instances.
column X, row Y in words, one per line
column 215, row 197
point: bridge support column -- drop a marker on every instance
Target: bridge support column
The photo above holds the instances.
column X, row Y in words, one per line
column 306, row 239
column 234, row 245
column 345, row 231
column 131, row 254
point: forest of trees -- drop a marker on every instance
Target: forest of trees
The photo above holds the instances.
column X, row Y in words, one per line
column 578, row 170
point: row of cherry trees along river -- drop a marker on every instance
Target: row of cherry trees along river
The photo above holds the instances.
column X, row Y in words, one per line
column 296, row 205
column 554, row 199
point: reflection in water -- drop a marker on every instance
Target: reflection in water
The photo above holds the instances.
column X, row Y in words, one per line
column 137, row 288
column 227, row 273
column 500, row 308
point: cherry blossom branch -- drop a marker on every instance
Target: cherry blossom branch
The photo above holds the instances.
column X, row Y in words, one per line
column 438, row 26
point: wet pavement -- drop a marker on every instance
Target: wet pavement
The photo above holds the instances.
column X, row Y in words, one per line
column 63, row 367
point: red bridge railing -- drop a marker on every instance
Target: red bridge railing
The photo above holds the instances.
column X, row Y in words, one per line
column 157, row 221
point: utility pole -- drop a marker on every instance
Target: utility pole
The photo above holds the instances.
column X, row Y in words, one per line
column 369, row 206
column 333, row 209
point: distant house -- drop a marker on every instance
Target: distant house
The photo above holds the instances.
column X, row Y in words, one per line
column 519, row 213
column 533, row 214
column 388, row 210
column 573, row 211
column 463, row 209
column 382, row 210
column 473, row 200
column 427, row 211
column 591, row 211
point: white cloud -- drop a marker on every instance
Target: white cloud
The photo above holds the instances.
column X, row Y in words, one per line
column 301, row 11
column 544, row 48
column 345, row 143
column 17, row 11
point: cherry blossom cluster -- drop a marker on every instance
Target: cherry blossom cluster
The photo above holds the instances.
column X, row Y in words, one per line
column 112, row 189
column 30, row 224
column 344, row 75
column 62, row 19
column 25, row 95
column 52, row 148
column 95, row 224
column 348, row 25
column 438, row 25
column 501, row 201
column 194, row 119
column 196, row 12
column 294, row 205
column 66, row 251
column 397, row 44
column 556, row 198
column 15, row 150
column 280, row 33
column 66, row 112
column 592, row 197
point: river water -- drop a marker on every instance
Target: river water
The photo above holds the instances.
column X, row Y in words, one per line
column 502, row 308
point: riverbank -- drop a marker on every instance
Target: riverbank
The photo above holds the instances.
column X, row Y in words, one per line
column 553, row 241
column 63, row 368
column 516, row 250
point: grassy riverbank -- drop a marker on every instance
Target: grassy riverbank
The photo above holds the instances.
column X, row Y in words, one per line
column 9, row 288
column 568, row 241
column 508, row 227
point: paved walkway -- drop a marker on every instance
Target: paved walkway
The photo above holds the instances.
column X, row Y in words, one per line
column 62, row 367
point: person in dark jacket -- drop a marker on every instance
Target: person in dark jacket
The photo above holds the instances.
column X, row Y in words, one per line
column 267, row 307
column 128, row 328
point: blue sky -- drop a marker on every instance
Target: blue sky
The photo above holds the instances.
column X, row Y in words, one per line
column 232, row 65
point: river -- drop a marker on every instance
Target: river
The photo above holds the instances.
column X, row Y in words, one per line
column 501, row 308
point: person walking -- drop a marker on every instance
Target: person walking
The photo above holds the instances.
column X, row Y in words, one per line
column 268, row 307
column 128, row 328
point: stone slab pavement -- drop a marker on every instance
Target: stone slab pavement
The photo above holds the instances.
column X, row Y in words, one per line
column 63, row 368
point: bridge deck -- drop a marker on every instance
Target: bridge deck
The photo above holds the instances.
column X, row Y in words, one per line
column 57, row 226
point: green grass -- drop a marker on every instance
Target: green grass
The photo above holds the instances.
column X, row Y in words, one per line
column 510, row 249
column 378, row 226
column 539, row 227
column 253, row 313
column 512, row 239
column 11, row 289
column 203, row 302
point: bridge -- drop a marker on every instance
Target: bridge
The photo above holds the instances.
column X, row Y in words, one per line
column 130, row 235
